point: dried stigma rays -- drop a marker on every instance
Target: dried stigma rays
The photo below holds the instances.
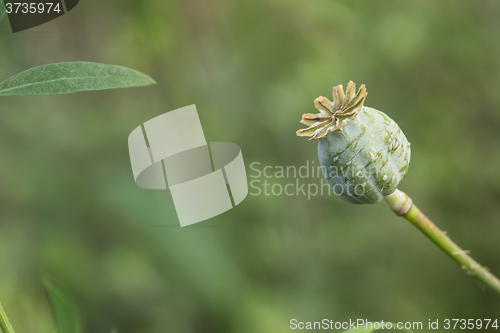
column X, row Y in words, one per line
column 333, row 115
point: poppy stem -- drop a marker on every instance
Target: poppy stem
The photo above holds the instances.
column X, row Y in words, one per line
column 403, row 206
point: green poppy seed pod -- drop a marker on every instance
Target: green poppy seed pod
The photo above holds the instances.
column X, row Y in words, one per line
column 363, row 153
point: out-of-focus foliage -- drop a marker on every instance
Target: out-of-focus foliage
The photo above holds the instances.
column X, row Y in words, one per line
column 69, row 208
column 63, row 310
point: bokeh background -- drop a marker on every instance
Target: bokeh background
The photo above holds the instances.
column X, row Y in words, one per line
column 70, row 211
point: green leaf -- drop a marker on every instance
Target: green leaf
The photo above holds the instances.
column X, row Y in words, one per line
column 5, row 325
column 63, row 311
column 370, row 330
column 71, row 77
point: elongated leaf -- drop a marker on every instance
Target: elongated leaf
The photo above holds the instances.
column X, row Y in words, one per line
column 5, row 325
column 71, row 77
column 371, row 330
column 63, row 311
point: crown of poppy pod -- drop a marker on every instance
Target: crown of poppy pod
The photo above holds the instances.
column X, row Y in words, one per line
column 333, row 115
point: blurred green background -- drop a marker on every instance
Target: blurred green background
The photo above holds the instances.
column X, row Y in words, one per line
column 70, row 210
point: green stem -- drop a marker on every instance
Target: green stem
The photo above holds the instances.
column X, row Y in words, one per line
column 403, row 206
column 4, row 321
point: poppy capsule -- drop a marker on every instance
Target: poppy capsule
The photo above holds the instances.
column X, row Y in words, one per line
column 363, row 153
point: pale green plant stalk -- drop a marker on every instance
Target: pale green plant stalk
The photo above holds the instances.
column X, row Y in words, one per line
column 403, row 206
column 4, row 321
